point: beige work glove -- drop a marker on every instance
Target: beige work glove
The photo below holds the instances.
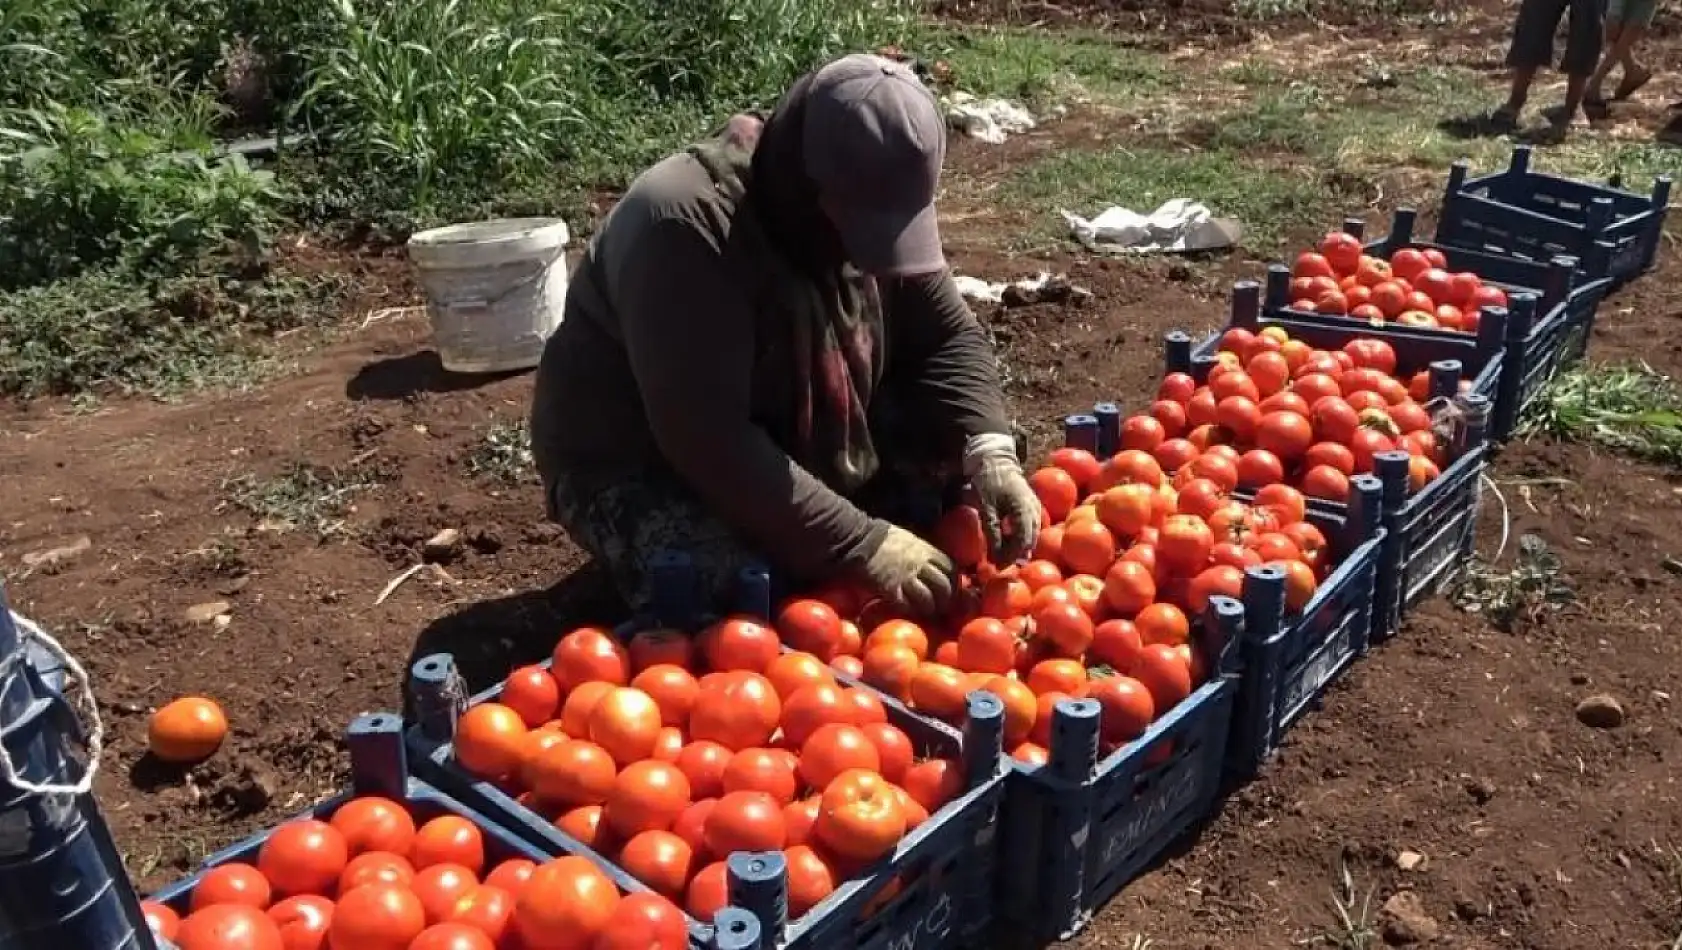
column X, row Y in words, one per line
column 994, row 472
column 910, row 572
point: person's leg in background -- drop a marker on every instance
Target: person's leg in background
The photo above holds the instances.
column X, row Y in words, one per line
column 1596, row 95
column 625, row 518
column 1582, row 55
column 1636, row 17
column 1532, row 48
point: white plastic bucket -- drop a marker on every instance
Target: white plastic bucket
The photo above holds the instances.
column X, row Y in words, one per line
column 494, row 290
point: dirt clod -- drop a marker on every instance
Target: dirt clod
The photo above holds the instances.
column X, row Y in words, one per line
column 1600, row 712
column 207, row 612
column 1405, row 921
column 442, row 547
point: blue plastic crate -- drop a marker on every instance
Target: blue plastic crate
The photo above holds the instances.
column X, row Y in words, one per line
column 1430, row 534
column 1080, row 827
column 1289, row 661
column 946, row 869
column 1536, row 216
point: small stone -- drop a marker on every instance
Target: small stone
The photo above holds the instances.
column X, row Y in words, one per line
column 1600, row 712
column 1405, row 922
column 1578, row 679
column 1467, row 909
column 1410, row 860
column 208, row 611
column 442, row 546
column 52, row 557
column 1481, row 790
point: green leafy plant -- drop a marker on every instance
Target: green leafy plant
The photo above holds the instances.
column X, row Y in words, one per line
column 78, row 190
column 1631, row 409
column 1533, row 587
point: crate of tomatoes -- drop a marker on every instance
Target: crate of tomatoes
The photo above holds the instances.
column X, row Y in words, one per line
column 732, row 762
column 1532, row 215
column 1313, row 408
column 1434, row 297
column 1113, row 649
column 1304, row 571
column 396, row 863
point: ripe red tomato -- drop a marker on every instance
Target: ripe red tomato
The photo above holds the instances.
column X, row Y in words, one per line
column 660, row 859
column 490, row 740
column 440, row 886
column 860, row 817
column 229, row 927
column 1326, row 482
column 232, row 883
column 1164, row 674
column 934, row 783
column 1057, row 491
column 833, row 749
column 377, row 917
column 303, row 857
column 511, row 875
column 488, row 909
column 893, row 749
column 1079, row 463
column 1408, row 263
column 745, row 821
column 1176, row 387
column 567, row 903
column 810, row 880
column 645, row 922
column 1488, row 296
column 1126, row 708
column 656, row 646
column 1311, row 264
column 811, row 626
column 1461, row 288
column 590, row 654
column 761, row 770
column 449, row 839
column 709, row 892
column 626, row 722
column 372, row 823
column 1342, row 251
column 740, row 711
column 448, row 936
column 162, row 920
column 374, row 867
column 647, row 795
column 303, row 921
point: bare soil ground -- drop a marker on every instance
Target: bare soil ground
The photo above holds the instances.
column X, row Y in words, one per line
column 237, row 545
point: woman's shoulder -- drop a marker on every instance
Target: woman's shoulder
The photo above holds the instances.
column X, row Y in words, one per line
column 676, row 192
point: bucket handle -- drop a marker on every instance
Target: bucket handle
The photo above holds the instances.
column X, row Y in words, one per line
column 85, row 704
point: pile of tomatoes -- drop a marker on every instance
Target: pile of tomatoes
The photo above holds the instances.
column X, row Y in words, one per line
column 1277, row 411
column 1412, row 288
column 1126, row 564
column 370, row 879
column 668, row 753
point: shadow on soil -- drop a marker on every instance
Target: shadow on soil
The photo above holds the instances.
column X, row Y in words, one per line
column 404, row 377
column 491, row 637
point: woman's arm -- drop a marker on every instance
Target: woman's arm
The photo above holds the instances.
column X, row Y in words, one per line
column 944, row 361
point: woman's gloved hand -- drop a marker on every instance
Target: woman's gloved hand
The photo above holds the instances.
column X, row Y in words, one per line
column 992, row 468
column 910, row 572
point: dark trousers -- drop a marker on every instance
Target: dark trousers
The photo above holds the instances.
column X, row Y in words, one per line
column 1538, row 20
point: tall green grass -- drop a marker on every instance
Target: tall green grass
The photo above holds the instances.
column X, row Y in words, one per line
column 111, row 190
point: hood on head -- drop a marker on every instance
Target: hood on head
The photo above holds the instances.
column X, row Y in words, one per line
column 783, row 194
